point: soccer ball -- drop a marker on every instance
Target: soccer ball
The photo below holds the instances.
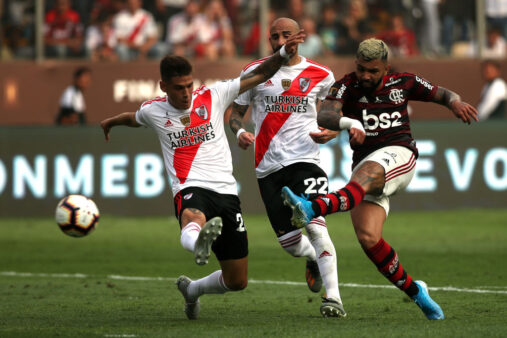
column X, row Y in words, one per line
column 77, row 215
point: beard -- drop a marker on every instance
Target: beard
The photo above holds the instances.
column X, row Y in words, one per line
column 370, row 86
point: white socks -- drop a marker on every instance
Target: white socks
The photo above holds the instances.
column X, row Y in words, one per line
column 213, row 283
column 326, row 256
column 298, row 245
column 189, row 235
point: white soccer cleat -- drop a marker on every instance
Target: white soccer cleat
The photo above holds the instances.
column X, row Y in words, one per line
column 332, row 308
column 208, row 234
column 192, row 307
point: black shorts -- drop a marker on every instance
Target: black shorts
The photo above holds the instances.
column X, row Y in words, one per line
column 233, row 242
column 302, row 178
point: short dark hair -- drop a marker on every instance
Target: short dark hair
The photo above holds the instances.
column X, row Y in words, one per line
column 80, row 71
column 492, row 62
column 172, row 66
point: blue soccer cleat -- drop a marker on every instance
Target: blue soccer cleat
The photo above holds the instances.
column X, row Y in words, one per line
column 431, row 309
column 302, row 212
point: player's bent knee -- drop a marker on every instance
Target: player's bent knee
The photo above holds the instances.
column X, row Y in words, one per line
column 367, row 240
column 293, row 250
column 237, row 283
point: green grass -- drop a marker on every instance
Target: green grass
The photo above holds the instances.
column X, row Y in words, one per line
column 465, row 249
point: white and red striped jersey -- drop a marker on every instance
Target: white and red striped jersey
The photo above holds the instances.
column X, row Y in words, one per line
column 284, row 112
column 194, row 145
column 136, row 27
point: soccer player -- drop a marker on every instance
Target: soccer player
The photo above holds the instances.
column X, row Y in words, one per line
column 384, row 163
column 190, row 127
column 284, row 110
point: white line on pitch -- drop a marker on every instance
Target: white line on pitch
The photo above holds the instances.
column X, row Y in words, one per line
column 252, row 281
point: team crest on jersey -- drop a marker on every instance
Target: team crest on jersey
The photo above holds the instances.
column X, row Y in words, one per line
column 188, row 196
column 396, row 95
column 202, row 112
column 286, row 83
column 304, row 84
column 185, row 119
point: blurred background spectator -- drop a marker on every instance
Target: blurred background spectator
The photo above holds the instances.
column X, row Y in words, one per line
column 251, row 43
column 458, row 19
column 496, row 13
column 100, row 42
column 492, row 104
column 136, row 33
column 312, row 46
column 495, row 44
column 399, row 38
column 63, row 36
column 430, row 32
column 183, row 30
column 17, row 31
column 328, row 28
column 354, row 27
column 214, row 29
column 216, row 34
column 72, row 104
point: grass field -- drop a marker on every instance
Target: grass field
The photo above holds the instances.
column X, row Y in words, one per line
column 119, row 281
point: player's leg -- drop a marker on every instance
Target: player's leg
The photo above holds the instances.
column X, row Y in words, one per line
column 197, row 231
column 310, row 180
column 230, row 248
column 292, row 240
column 368, row 219
column 233, row 276
column 369, row 216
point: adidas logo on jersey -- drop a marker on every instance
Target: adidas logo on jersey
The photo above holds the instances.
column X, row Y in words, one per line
column 168, row 123
column 268, row 83
column 363, row 100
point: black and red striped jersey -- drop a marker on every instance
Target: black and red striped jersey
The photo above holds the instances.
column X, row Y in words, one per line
column 382, row 112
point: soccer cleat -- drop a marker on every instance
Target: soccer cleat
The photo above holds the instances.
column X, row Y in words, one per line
column 430, row 308
column 313, row 278
column 332, row 308
column 302, row 212
column 192, row 308
column 208, row 234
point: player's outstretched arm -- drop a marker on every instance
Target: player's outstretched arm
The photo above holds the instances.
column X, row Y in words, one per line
column 270, row 66
column 245, row 138
column 462, row 110
column 123, row 119
column 329, row 117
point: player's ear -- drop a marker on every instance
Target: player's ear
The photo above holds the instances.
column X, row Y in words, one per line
column 163, row 86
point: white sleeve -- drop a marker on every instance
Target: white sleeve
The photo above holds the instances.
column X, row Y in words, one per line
column 143, row 116
column 66, row 100
column 226, row 91
column 150, row 29
column 78, row 103
column 491, row 97
column 328, row 82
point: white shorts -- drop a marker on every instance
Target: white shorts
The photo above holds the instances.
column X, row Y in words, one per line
column 399, row 165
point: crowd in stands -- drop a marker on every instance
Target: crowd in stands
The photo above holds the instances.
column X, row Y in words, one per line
column 110, row 30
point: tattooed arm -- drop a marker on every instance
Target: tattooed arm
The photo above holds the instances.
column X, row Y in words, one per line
column 329, row 117
column 245, row 138
column 462, row 110
column 270, row 66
